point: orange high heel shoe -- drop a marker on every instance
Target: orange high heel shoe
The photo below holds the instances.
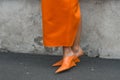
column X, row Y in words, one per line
column 76, row 60
column 59, row 63
column 68, row 62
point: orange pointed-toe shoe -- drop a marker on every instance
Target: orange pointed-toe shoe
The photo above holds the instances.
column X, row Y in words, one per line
column 59, row 63
column 68, row 62
column 76, row 59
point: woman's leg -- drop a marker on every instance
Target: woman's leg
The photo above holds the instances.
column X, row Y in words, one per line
column 75, row 48
column 76, row 44
column 68, row 59
column 67, row 51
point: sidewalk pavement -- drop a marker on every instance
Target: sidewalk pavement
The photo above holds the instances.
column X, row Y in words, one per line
column 19, row 66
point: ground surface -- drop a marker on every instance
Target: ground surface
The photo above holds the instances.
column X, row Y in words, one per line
column 38, row 67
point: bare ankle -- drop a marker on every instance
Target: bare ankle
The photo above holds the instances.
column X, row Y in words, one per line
column 76, row 48
column 67, row 51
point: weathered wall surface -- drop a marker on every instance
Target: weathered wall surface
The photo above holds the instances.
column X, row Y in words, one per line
column 101, row 27
column 21, row 28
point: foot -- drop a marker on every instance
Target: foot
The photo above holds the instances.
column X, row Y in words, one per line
column 76, row 55
column 78, row 51
column 67, row 63
column 59, row 63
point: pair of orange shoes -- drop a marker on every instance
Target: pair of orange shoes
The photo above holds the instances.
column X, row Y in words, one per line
column 66, row 63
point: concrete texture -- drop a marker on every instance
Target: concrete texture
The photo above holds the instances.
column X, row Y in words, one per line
column 21, row 28
column 15, row 66
column 100, row 30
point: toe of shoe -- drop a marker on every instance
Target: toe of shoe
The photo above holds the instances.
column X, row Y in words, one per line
column 57, row 63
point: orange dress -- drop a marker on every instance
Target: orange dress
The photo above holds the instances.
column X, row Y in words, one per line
column 60, row 20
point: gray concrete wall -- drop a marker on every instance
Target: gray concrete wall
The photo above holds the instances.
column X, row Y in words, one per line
column 21, row 28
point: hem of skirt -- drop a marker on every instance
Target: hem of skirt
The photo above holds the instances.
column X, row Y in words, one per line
column 56, row 44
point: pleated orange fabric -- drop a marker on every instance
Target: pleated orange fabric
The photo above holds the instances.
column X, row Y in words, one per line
column 60, row 20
